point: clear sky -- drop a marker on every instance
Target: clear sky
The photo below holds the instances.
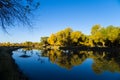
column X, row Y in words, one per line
column 55, row 15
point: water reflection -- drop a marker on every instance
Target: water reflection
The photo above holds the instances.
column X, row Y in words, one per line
column 24, row 55
column 103, row 61
column 92, row 62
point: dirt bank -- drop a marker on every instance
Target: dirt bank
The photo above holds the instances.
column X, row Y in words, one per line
column 8, row 69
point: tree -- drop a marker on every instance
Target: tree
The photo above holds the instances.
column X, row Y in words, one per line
column 95, row 36
column 76, row 37
column 100, row 37
column 109, row 36
column 52, row 39
column 44, row 41
column 67, row 32
column 95, row 28
column 28, row 44
column 63, row 37
column 113, row 35
column 16, row 11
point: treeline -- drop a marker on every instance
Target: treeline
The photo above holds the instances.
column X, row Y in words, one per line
column 23, row 44
column 100, row 37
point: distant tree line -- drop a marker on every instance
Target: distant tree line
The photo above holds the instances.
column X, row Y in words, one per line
column 23, row 44
column 100, row 37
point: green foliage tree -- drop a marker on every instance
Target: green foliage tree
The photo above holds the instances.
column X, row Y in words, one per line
column 95, row 29
column 64, row 36
column 76, row 37
column 113, row 35
column 100, row 37
column 44, row 41
column 28, row 44
column 61, row 38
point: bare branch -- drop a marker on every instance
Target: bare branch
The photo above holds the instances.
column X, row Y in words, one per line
column 16, row 11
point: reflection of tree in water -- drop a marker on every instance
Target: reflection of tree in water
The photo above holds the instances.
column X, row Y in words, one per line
column 103, row 61
column 63, row 59
column 40, row 58
column 110, row 62
column 26, row 53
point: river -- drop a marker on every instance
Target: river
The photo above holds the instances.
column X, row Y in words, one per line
column 68, row 65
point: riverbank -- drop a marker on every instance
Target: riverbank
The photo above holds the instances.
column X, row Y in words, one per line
column 8, row 69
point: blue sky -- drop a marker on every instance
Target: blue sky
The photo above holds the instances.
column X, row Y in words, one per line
column 55, row 15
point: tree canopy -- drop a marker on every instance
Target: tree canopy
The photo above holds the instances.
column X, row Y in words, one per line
column 100, row 36
column 16, row 11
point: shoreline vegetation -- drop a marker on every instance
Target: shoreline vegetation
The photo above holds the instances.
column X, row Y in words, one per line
column 100, row 37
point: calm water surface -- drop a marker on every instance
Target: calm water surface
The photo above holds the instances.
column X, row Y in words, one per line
column 60, row 65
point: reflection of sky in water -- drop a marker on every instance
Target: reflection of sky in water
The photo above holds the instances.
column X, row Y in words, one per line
column 40, row 68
